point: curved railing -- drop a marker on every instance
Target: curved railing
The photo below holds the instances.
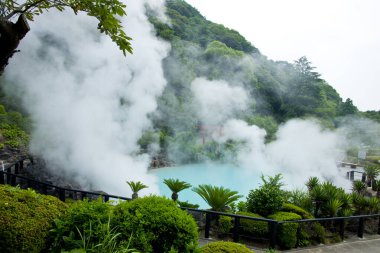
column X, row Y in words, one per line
column 343, row 227
column 10, row 175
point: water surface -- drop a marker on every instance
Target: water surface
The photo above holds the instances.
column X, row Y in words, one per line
column 226, row 175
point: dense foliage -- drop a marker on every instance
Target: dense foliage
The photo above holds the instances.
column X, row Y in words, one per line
column 220, row 247
column 253, row 227
column 26, row 218
column 155, row 224
column 267, row 199
column 287, row 232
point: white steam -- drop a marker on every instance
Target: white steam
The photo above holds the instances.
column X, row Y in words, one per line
column 302, row 149
column 218, row 100
column 90, row 104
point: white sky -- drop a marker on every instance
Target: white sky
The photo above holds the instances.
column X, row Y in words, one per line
column 340, row 37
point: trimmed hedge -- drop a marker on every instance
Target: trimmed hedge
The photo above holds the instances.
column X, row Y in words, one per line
column 26, row 218
column 287, row 232
column 225, row 224
column 225, row 247
column 252, row 227
column 155, row 224
column 290, row 208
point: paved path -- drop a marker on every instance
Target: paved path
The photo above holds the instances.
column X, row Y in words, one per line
column 370, row 245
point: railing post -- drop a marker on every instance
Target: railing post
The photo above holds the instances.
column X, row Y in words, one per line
column 273, row 226
column 361, row 227
column 83, row 195
column 13, row 180
column 62, row 194
column 2, row 177
column 341, row 229
column 9, row 171
column 44, row 189
column 236, row 229
column 378, row 227
column 21, row 164
column 17, row 166
column 207, row 226
column 106, row 198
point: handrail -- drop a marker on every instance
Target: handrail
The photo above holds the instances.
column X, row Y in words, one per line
column 273, row 225
column 62, row 190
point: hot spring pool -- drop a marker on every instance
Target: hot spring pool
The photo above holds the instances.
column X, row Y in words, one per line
column 228, row 176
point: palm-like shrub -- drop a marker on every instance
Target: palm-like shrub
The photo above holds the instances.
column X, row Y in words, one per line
column 359, row 187
column 176, row 186
column 312, row 183
column 136, row 187
column 218, row 198
column 332, row 207
column 372, row 172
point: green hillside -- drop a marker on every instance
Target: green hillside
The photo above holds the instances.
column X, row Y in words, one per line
column 278, row 90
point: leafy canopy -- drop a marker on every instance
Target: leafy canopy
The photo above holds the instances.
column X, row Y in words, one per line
column 107, row 12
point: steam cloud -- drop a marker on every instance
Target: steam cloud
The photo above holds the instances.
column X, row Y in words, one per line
column 89, row 103
column 218, row 101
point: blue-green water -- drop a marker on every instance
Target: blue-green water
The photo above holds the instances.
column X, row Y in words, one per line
column 228, row 176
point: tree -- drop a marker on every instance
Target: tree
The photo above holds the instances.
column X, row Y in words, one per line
column 106, row 11
column 136, row 187
column 218, row 198
column 176, row 186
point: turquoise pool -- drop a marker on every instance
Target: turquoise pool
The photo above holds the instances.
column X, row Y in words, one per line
column 228, row 176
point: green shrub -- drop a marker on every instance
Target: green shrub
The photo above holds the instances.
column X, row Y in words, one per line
column 156, row 224
column 224, row 247
column 89, row 219
column 186, row 204
column 267, row 199
column 290, row 208
column 26, row 218
column 287, row 232
column 224, row 224
column 256, row 228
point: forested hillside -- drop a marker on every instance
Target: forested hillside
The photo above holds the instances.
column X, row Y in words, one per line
column 278, row 91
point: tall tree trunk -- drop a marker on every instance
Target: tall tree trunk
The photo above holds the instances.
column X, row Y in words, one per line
column 10, row 36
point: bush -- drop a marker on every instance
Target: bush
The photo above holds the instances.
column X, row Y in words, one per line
column 224, row 224
column 287, row 232
column 268, row 199
column 26, row 218
column 87, row 219
column 222, row 247
column 290, row 208
column 257, row 228
column 156, row 225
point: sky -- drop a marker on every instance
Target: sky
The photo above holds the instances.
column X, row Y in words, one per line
column 341, row 38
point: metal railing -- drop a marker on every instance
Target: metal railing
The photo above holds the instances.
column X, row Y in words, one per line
column 10, row 175
column 339, row 225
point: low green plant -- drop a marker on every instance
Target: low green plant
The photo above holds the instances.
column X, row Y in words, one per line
column 186, row 204
column 287, row 207
column 224, row 224
column 26, row 218
column 287, row 232
column 253, row 227
column 223, row 247
column 90, row 219
column 157, row 224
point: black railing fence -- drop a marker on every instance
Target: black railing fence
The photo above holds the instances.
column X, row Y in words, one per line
column 11, row 175
column 207, row 220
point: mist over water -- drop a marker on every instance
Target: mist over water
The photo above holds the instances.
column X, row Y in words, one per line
column 90, row 104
